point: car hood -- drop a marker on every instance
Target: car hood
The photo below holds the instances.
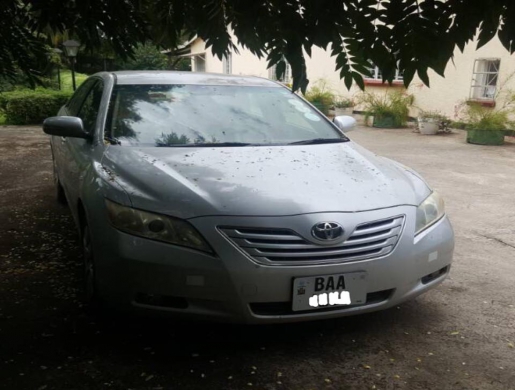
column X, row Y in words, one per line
column 261, row 181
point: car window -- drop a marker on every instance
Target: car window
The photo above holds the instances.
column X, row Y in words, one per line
column 174, row 115
column 76, row 100
column 89, row 109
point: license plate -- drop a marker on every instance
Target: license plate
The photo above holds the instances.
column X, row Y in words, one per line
column 317, row 292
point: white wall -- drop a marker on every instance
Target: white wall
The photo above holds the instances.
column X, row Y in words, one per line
column 444, row 94
column 213, row 64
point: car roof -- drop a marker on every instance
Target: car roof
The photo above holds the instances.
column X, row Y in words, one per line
column 174, row 77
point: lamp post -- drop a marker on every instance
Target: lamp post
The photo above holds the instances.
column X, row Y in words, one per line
column 71, row 49
column 58, row 52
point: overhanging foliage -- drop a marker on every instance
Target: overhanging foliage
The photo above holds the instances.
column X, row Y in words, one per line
column 413, row 35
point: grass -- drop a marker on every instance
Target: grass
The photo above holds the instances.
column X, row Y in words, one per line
column 66, row 79
column 2, row 119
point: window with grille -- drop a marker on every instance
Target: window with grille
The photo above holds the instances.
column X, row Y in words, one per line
column 485, row 78
column 378, row 75
column 286, row 76
column 227, row 63
column 199, row 63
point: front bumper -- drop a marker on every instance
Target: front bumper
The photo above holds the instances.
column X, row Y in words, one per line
column 137, row 273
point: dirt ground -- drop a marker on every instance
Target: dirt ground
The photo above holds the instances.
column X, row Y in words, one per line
column 459, row 336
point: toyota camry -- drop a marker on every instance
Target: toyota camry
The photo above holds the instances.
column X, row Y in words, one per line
column 231, row 198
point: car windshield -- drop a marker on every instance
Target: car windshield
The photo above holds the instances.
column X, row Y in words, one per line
column 211, row 115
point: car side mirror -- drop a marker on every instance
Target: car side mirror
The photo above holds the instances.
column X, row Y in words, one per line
column 345, row 123
column 65, row 126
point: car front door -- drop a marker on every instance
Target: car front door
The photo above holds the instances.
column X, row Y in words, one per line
column 59, row 144
column 78, row 150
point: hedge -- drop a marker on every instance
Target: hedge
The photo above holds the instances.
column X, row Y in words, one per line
column 31, row 107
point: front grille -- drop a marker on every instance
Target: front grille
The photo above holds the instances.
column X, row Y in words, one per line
column 286, row 247
column 284, row 308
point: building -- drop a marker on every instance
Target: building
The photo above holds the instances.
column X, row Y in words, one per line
column 484, row 75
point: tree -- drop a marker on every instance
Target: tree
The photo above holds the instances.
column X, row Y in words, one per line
column 149, row 57
column 411, row 35
column 145, row 57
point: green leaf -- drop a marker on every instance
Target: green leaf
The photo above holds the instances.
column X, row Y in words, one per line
column 280, row 69
column 348, row 80
column 359, row 80
column 408, row 75
column 422, row 73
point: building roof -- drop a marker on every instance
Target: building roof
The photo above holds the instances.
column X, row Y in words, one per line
column 173, row 77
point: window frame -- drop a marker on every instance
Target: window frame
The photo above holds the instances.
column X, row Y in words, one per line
column 199, row 63
column 97, row 81
column 80, row 96
column 287, row 77
column 377, row 78
column 227, row 64
column 485, row 85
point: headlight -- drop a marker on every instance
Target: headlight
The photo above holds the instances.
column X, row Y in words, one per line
column 429, row 212
column 156, row 227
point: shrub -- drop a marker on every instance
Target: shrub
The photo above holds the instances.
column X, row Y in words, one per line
column 479, row 117
column 29, row 107
column 146, row 57
column 484, row 118
column 432, row 115
column 392, row 106
column 343, row 102
column 458, row 125
column 321, row 96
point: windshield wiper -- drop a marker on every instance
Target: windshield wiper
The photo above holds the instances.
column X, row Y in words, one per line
column 208, row 144
column 316, row 141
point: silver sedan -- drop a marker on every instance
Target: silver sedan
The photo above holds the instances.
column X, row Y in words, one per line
column 233, row 199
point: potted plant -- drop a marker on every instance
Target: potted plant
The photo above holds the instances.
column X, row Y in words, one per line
column 430, row 122
column 321, row 96
column 486, row 126
column 343, row 106
column 389, row 110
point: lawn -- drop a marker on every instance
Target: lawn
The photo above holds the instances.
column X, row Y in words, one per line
column 66, row 79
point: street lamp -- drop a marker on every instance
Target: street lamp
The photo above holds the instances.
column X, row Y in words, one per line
column 58, row 52
column 71, row 49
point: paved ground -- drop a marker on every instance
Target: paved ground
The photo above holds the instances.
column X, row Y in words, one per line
column 460, row 336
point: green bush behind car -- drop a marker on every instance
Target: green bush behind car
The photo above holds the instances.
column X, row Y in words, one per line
column 31, row 107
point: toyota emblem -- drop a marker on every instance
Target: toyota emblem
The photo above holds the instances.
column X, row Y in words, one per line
column 327, row 231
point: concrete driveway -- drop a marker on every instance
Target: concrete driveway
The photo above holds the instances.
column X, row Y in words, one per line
column 459, row 336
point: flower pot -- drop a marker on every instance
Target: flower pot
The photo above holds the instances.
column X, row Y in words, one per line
column 324, row 108
column 428, row 127
column 385, row 122
column 485, row 137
